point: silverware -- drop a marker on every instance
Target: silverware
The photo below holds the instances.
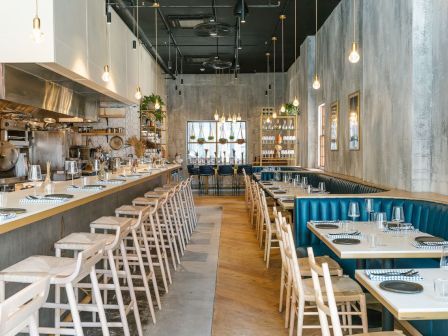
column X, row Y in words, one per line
column 355, row 233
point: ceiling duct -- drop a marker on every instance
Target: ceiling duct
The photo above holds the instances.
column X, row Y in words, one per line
column 213, row 29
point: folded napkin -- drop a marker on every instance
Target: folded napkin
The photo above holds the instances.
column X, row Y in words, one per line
column 131, row 176
column 393, row 274
column 315, row 222
column 354, row 235
column 84, row 189
column 7, row 215
column 45, row 200
column 111, row 181
column 429, row 245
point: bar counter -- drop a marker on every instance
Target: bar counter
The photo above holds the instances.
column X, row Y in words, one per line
column 34, row 232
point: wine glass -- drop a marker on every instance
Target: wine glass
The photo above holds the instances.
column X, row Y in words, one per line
column 380, row 220
column 304, row 182
column 35, row 175
column 322, row 186
column 369, row 208
column 353, row 210
column 398, row 216
column 72, row 169
column 444, row 258
column 96, row 166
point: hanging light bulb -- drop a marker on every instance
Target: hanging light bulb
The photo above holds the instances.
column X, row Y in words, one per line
column 229, row 118
column 157, row 105
column 283, row 108
column 354, row 54
column 268, row 120
column 106, row 74
column 216, row 116
column 234, row 118
column 316, row 83
column 238, row 118
column 223, row 118
column 37, row 34
column 138, row 93
column 274, row 115
column 295, row 102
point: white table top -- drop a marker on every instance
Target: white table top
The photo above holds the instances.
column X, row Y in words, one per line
column 38, row 211
column 421, row 306
column 390, row 245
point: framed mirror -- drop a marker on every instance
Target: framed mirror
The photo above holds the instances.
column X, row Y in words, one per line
column 354, row 121
column 334, row 125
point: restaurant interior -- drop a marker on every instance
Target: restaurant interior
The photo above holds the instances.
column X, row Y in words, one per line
column 223, row 167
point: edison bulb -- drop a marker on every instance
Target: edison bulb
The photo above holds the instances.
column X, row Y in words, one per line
column 223, row 119
column 268, row 120
column 283, row 108
column 295, row 103
column 216, row 116
column 354, row 54
column 138, row 93
column 316, row 83
column 274, row 114
column 106, row 74
column 238, row 118
column 37, row 34
column 157, row 105
column 234, row 118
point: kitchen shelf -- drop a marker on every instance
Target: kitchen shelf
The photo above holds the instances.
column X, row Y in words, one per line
column 100, row 134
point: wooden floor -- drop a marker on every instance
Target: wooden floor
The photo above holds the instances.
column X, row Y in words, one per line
column 246, row 301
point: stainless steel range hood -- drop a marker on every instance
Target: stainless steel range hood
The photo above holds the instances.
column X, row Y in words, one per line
column 37, row 91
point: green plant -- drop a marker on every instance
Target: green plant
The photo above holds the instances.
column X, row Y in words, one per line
column 211, row 137
column 222, row 141
column 145, row 103
column 201, row 141
column 290, row 109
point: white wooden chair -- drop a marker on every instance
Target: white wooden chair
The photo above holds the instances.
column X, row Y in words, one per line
column 21, row 309
column 348, row 294
column 269, row 230
column 331, row 308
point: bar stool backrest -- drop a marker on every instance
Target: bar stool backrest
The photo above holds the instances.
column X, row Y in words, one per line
column 323, row 309
column 206, row 170
column 85, row 261
column 225, row 170
column 291, row 255
column 17, row 310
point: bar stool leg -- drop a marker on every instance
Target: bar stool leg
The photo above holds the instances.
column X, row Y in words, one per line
column 99, row 301
column 74, row 309
column 33, row 326
column 151, row 267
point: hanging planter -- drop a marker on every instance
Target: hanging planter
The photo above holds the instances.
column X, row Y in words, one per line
column 232, row 135
column 240, row 139
column 192, row 134
column 222, row 140
column 201, row 138
column 211, row 136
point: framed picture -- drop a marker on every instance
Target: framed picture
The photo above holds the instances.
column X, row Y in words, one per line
column 334, row 125
column 354, row 123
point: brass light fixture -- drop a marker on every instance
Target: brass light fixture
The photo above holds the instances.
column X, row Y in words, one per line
column 156, row 6
column 282, row 19
column 295, row 102
column 354, row 54
column 106, row 69
column 316, row 82
column 268, row 93
column 216, row 116
column 138, row 91
column 37, row 34
column 238, row 118
column 274, row 113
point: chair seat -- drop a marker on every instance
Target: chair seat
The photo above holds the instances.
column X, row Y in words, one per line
column 154, row 194
column 342, row 287
column 382, row 333
column 305, row 270
column 35, row 267
column 144, row 201
column 129, row 210
column 110, row 222
column 79, row 241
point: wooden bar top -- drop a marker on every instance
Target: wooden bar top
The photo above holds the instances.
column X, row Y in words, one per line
column 38, row 211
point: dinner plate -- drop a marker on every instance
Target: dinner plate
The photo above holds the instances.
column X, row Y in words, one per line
column 326, row 226
column 13, row 210
column 429, row 239
column 59, row 195
column 346, row 241
column 274, row 188
column 288, row 201
column 400, row 286
column 280, row 192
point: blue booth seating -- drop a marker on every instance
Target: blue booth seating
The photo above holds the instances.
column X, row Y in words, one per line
column 429, row 217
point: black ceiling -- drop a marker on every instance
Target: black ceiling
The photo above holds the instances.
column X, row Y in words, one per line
column 261, row 24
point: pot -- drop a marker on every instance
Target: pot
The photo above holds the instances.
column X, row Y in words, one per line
column 8, row 156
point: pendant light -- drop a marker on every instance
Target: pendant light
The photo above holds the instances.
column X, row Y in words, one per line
column 274, row 113
column 138, row 91
column 282, row 19
column 354, row 54
column 216, row 116
column 295, row 102
column 316, row 82
column 238, row 118
column 106, row 69
column 267, row 79
column 157, row 103
column 37, row 33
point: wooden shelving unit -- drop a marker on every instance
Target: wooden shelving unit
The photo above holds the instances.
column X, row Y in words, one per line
column 150, row 129
column 278, row 139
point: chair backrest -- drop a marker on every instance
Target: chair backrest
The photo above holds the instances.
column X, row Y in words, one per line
column 265, row 210
column 330, row 309
column 278, row 220
column 84, row 262
column 17, row 310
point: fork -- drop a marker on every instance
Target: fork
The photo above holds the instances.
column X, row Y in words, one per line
column 411, row 272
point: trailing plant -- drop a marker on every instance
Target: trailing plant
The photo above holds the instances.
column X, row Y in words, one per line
column 290, row 109
column 147, row 107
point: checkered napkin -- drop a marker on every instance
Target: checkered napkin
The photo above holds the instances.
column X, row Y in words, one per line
column 43, row 200
column 110, row 182
column 429, row 245
column 133, row 176
column 325, row 222
column 394, row 274
column 83, row 189
column 334, row 236
column 7, row 215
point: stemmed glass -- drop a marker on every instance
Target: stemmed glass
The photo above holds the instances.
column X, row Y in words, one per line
column 444, row 258
column 35, row 175
column 322, row 186
column 398, row 216
column 72, row 169
column 304, row 182
column 353, row 210
column 380, row 220
column 96, row 166
column 369, row 209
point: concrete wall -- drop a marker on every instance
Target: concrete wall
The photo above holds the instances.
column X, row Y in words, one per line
column 402, row 78
column 203, row 94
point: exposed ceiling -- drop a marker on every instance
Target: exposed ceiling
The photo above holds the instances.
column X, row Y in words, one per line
column 262, row 23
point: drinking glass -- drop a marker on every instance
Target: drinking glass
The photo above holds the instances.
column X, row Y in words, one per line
column 304, row 182
column 380, row 220
column 372, row 239
column 444, row 258
column 369, row 209
column 353, row 210
column 347, row 226
column 96, row 166
column 35, row 175
column 3, row 198
column 441, row 288
column 398, row 216
column 72, row 169
column 322, row 186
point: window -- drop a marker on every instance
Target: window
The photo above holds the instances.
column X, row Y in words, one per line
column 321, row 136
column 203, row 142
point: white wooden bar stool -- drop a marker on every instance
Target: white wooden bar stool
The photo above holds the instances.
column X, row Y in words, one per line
column 21, row 310
column 167, row 228
column 143, row 256
column 191, row 200
column 114, row 243
column 66, row 272
column 132, row 246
